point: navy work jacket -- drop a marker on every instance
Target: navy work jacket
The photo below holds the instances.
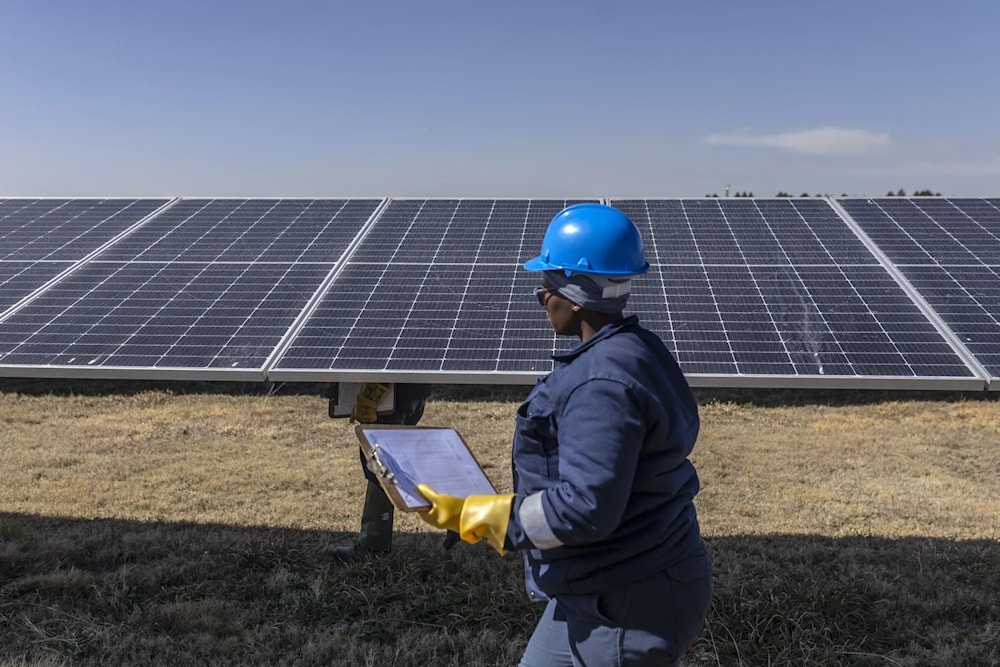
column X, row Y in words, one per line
column 605, row 438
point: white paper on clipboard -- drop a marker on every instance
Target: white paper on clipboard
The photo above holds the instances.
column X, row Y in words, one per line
column 347, row 396
column 403, row 457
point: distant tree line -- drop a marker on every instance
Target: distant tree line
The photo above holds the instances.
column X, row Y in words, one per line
column 899, row 193
column 916, row 193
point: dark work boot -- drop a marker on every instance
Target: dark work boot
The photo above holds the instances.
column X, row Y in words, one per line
column 356, row 552
column 375, row 538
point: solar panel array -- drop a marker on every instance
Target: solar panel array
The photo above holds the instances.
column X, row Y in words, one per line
column 746, row 292
column 206, row 286
column 949, row 251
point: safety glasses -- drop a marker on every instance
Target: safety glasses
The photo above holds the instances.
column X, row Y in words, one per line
column 543, row 294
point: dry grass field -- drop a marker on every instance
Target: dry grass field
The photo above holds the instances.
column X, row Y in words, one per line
column 176, row 524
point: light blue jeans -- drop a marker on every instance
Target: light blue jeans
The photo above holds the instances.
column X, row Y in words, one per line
column 650, row 622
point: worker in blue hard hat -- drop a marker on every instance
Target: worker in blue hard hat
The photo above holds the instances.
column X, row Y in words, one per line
column 603, row 506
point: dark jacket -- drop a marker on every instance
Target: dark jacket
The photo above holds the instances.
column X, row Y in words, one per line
column 604, row 439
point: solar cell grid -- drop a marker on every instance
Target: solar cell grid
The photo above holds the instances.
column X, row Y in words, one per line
column 949, row 251
column 41, row 238
column 206, row 289
column 65, row 229
column 160, row 315
column 407, row 318
column 247, row 230
column 436, row 286
column 778, row 288
column 19, row 279
column 456, row 231
column 738, row 288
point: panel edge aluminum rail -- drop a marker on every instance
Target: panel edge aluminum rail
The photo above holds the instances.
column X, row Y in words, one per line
column 695, row 380
column 149, row 373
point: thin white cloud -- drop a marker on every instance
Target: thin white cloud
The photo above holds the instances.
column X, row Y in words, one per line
column 823, row 142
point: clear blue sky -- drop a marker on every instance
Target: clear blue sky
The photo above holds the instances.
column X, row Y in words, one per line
column 518, row 98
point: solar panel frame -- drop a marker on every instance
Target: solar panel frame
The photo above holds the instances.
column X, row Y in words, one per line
column 948, row 256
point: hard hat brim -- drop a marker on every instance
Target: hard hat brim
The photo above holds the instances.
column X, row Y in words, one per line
column 539, row 264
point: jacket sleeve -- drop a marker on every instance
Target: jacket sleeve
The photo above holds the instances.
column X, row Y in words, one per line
column 600, row 436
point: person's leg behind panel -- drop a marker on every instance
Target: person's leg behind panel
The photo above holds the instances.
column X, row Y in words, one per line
column 376, row 520
column 375, row 536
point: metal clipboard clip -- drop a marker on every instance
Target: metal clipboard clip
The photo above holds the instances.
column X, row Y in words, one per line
column 377, row 465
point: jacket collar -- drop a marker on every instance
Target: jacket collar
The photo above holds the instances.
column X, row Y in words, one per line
column 605, row 332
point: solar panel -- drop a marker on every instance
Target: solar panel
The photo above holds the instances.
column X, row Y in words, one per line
column 41, row 238
column 949, row 251
column 781, row 292
column 434, row 291
column 207, row 289
column 752, row 292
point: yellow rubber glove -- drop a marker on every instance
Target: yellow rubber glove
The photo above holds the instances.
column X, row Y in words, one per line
column 474, row 518
column 366, row 404
column 445, row 511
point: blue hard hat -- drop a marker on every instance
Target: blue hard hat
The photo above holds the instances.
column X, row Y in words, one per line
column 591, row 238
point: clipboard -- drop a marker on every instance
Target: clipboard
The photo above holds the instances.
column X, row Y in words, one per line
column 403, row 456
